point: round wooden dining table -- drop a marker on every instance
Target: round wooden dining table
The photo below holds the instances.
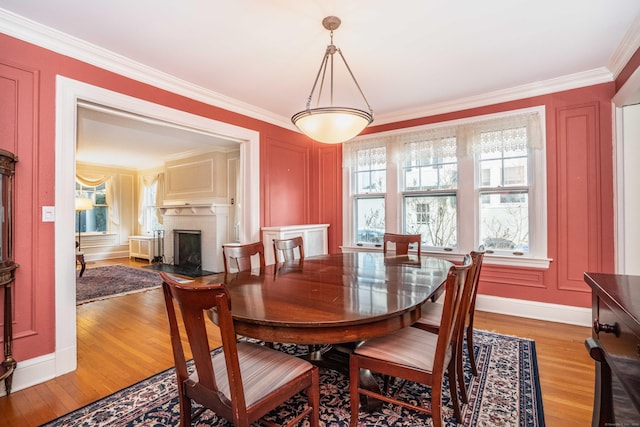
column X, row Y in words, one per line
column 335, row 298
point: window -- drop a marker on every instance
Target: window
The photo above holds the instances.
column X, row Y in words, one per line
column 148, row 214
column 462, row 184
column 370, row 184
column 429, row 189
column 95, row 220
column 503, row 161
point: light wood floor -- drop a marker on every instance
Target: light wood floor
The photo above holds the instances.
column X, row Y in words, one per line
column 124, row 340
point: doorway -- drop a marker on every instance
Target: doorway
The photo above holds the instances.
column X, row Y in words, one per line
column 68, row 93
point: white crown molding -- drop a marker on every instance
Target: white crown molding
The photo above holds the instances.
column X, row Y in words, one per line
column 626, row 49
column 573, row 81
column 57, row 41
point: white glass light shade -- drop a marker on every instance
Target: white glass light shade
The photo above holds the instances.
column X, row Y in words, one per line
column 332, row 125
column 84, row 204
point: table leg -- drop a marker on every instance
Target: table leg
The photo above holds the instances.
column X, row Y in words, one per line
column 336, row 357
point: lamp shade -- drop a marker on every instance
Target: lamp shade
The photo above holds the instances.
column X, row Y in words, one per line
column 332, row 125
column 83, row 204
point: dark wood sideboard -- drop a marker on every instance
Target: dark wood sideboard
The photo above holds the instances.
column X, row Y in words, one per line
column 615, row 346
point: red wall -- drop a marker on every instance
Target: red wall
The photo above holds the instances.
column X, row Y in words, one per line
column 301, row 182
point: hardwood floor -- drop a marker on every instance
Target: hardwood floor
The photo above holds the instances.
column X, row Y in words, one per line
column 124, row 340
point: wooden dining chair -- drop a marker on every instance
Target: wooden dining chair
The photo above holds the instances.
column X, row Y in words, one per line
column 432, row 314
column 287, row 247
column 414, row 354
column 245, row 381
column 238, row 257
column 401, row 241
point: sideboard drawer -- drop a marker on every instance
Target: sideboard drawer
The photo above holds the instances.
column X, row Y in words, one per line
column 613, row 332
column 621, row 342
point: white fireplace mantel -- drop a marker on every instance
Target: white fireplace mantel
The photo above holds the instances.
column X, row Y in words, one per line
column 194, row 209
column 213, row 222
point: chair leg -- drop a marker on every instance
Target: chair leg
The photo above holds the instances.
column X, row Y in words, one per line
column 470, row 348
column 354, row 382
column 453, row 390
column 185, row 411
column 313, row 394
column 436, row 402
column 460, row 370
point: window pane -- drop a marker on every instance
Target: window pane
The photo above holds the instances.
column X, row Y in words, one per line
column 370, row 220
column 101, row 195
column 370, row 171
column 430, row 165
column 515, row 171
column 95, row 220
column 504, row 221
column 491, row 173
column 370, row 182
column 435, row 217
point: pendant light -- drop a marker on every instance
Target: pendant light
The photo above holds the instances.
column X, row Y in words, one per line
column 331, row 124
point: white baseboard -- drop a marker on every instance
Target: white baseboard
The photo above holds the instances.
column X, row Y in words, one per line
column 535, row 310
column 31, row 372
column 99, row 256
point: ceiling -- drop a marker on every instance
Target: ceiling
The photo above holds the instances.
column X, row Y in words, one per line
column 411, row 58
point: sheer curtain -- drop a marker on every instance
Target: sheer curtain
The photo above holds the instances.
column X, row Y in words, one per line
column 145, row 183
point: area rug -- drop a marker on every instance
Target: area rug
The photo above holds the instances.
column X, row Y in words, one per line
column 506, row 392
column 113, row 280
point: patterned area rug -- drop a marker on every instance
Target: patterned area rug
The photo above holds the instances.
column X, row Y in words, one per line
column 113, row 280
column 506, row 392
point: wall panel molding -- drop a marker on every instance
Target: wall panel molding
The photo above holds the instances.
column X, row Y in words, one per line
column 533, row 278
column 330, row 193
column 286, row 183
column 579, row 225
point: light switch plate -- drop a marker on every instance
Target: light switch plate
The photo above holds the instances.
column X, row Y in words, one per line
column 48, row 213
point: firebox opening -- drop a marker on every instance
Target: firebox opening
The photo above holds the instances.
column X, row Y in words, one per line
column 187, row 249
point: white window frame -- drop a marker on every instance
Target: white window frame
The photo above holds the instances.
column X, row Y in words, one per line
column 467, row 197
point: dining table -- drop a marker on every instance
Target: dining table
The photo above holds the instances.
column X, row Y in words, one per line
column 334, row 301
column 333, row 298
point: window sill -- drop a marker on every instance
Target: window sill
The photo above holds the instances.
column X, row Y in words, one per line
column 489, row 259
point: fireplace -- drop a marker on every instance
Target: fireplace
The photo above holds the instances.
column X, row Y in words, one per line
column 187, row 249
column 209, row 220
